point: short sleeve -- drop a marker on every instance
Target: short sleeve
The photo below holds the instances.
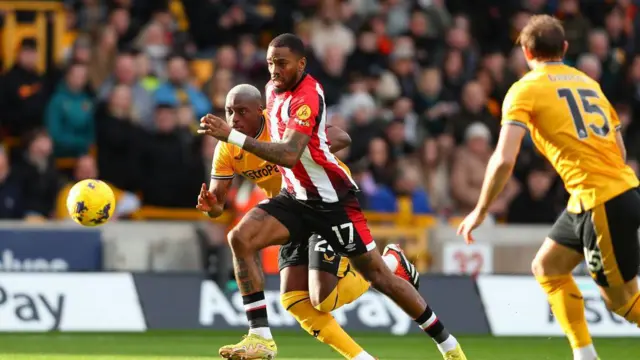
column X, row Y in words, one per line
column 303, row 111
column 518, row 105
column 222, row 166
column 613, row 117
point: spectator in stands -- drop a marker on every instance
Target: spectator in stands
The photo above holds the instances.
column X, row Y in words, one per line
column 39, row 176
column 103, row 56
column 171, row 159
column 403, row 68
column 148, row 78
column 227, row 59
column 435, row 173
column 125, row 73
column 407, row 185
column 331, row 74
column 589, row 64
column 11, row 190
column 468, row 170
column 327, row 30
column 619, row 38
column 155, row 45
column 575, row 26
column 611, row 62
column 69, row 115
column 91, row 14
column 433, row 103
column 80, row 53
column 360, row 108
column 380, row 166
column 366, row 59
column 23, row 94
column 453, row 74
column 402, row 110
column 424, row 39
column 535, row 201
column 126, row 202
column 218, row 87
column 459, row 39
column 473, row 109
column 126, row 30
column 396, row 136
column 178, row 90
column 118, row 134
column 252, row 65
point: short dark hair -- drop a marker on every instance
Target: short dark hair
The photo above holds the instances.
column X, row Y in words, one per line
column 290, row 41
column 543, row 36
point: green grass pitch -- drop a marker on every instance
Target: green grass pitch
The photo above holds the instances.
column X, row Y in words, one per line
column 292, row 346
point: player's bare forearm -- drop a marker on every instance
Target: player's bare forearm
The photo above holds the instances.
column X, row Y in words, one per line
column 284, row 153
column 496, row 177
column 219, row 188
column 338, row 138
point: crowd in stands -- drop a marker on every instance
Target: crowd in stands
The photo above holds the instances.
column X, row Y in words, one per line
column 418, row 85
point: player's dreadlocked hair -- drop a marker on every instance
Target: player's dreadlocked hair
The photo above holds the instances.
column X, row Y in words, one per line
column 290, row 41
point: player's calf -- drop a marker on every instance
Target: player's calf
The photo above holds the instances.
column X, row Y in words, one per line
column 403, row 293
column 624, row 300
column 552, row 269
column 322, row 325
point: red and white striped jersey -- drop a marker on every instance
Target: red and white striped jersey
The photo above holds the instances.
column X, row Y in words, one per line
column 319, row 175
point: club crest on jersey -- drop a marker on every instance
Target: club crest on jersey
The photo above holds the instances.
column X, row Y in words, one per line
column 303, row 113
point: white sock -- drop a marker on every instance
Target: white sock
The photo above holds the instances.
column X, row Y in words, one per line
column 585, row 353
column 364, row 356
column 448, row 345
column 264, row 332
column 391, row 261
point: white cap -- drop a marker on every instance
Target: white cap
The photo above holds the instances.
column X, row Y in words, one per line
column 476, row 130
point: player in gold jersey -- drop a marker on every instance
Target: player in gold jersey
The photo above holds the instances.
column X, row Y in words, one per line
column 314, row 279
column 575, row 127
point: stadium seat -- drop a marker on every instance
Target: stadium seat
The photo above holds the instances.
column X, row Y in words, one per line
column 202, row 70
column 13, row 32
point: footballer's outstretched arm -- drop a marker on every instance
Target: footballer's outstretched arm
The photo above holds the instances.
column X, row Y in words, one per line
column 284, row 153
column 338, row 138
column 500, row 165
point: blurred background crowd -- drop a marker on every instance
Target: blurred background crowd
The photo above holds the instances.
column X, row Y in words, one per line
column 418, row 85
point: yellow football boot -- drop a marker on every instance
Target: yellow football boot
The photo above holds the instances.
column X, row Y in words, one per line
column 455, row 354
column 252, row 347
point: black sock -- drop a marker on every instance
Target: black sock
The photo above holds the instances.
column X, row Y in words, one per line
column 430, row 324
column 256, row 308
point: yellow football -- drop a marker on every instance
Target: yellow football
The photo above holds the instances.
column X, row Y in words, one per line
column 91, row 202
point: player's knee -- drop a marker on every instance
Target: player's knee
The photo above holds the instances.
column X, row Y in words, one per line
column 541, row 266
column 537, row 267
column 239, row 241
column 324, row 300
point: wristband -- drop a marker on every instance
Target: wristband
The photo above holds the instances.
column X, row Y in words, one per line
column 236, row 138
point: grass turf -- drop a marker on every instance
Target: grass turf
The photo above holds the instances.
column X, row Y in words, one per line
column 292, row 346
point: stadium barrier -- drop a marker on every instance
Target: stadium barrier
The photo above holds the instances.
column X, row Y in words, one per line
column 125, row 302
column 187, row 246
column 38, row 302
column 515, row 306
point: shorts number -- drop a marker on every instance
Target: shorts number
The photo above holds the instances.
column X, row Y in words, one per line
column 594, row 260
column 338, row 231
column 320, row 248
column 589, row 108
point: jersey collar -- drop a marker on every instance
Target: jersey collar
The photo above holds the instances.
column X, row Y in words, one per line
column 304, row 75
column 262, row 125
